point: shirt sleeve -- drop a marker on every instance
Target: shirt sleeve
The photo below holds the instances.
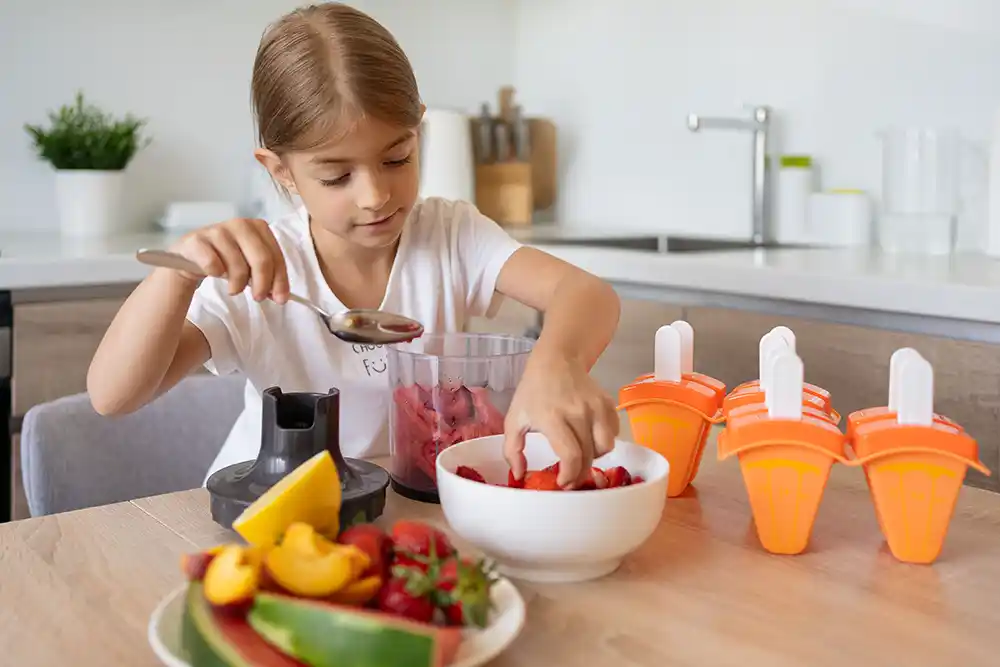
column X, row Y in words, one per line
column 483, row 248
column 224, row 321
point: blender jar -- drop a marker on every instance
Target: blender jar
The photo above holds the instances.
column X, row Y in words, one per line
column 447, row 388
column 920, row 189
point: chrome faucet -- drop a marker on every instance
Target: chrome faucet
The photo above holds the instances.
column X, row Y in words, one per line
column 759, row 123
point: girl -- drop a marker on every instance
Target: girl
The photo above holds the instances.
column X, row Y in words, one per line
column 338, row 114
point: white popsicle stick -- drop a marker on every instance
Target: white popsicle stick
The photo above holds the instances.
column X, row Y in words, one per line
column 916, row 392
column 785, row 333
column 895, row 364
column 667, row 355
column 784, row 399
column 687, row 345
column 770, row 343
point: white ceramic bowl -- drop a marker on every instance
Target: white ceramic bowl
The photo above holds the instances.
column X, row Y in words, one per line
column 551, row 536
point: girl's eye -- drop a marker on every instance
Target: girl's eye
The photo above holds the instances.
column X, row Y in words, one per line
column 334, row 182
column 398, row 163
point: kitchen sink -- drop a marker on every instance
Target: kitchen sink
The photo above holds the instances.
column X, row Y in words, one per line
column 653, row 243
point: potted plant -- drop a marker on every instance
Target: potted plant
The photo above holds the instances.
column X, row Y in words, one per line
column 89, row 150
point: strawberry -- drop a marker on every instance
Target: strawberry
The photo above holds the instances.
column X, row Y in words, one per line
column 542, row 480
column 514, row 483
column 638, row 479
column 618, row 476
column 374, row 542
column 470, row 473
column 463, row 591
column 418, row 545
column 409, row 597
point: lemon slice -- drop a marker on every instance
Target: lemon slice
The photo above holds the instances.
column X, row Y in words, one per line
column 309, row 494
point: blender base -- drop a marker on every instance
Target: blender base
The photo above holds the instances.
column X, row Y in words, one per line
column 416, row 494
column 232, row 491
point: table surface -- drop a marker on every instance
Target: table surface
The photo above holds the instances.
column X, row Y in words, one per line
column 78, row 588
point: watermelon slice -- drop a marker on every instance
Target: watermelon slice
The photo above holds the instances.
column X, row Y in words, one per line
column 325, row 635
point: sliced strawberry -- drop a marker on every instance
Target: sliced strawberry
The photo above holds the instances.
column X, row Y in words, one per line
column 470, row 473
column 598, row 480
column 618, row 476
column 419, row 541
column 375, row 543
column 542, row 480
column 514, row 483
column 637, row 479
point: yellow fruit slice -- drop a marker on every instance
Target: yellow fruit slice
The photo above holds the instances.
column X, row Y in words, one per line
column 309, row 494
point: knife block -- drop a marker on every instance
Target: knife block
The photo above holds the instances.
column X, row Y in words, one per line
column 504, row 192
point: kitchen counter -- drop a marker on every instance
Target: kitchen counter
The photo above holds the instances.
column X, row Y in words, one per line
column 700, row 592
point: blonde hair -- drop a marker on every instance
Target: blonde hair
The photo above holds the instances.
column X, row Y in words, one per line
column 322, row 68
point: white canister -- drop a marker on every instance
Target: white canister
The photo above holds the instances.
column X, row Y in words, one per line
column 839, row 218
column 796, row 181
column 90, row 202
column 446, row 159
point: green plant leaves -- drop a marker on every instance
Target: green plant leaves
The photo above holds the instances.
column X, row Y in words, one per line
column 82, row 136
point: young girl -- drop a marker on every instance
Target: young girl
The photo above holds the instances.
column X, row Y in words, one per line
column 338, row 116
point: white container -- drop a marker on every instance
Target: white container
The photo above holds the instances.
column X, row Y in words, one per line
column 90, row 202
column 446, row 157
column 551, row 536
column 840, row 218
column 796, row 181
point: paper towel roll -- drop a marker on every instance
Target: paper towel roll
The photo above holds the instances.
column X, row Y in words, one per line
column 446, row 159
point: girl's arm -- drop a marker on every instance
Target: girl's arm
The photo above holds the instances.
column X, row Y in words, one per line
column 581, row 310
column 149, row 346
column 557, row 396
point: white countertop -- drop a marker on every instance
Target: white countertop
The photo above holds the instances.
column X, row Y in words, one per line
column 961, row 287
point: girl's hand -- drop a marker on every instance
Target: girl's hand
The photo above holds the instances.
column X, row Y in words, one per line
column 559, row 399
column 244, row 251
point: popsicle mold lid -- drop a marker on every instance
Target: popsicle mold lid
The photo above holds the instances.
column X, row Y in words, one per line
column 909, row 424
column 782, row 420
column 673, row 379
column 738, row 399
column 760, row 407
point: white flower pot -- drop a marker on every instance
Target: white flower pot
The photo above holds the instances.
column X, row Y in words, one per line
column 89, row 202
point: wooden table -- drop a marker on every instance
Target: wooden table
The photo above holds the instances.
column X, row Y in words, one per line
column 78, row 588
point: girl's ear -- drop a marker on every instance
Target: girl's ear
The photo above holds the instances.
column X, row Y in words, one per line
column 277, row 168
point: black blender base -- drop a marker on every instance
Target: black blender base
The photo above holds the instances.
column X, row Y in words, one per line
column 232, row 492
column 416, row 494
column 296, row 427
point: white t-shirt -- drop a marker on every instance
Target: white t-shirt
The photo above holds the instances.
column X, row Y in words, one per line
column 444, row 273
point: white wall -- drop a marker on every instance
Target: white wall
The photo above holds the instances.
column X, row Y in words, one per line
column 621, row 79
column 185, row 65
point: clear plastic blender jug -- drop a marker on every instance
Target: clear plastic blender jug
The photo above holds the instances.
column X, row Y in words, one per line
column 920, row 189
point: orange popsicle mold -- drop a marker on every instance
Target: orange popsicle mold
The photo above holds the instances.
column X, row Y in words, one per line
column 807, row 388
column 914, row 474
column 786, row 464
column 754, row 396
column 673, row 419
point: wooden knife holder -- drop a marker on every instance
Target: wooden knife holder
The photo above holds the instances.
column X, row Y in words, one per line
column 504, row 192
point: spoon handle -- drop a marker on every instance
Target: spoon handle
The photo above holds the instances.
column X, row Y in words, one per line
column 171, row 260
column 168, row 260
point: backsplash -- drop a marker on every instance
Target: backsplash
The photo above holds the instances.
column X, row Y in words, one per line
column 186, row 66
column 835, row 72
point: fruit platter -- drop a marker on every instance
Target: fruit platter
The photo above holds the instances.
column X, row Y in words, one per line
column 364, row 597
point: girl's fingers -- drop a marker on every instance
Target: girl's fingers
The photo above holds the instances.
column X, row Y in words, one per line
column 260, row 258
column 279, row 284
column 237, row 270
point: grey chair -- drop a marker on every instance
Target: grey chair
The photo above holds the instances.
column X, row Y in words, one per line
column 72, row 458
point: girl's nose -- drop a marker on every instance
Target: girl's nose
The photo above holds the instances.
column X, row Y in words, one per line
column 373, row 193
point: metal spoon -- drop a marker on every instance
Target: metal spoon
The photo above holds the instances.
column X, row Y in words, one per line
column 357, row 325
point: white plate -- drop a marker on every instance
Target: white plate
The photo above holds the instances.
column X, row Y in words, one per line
column 478, row 646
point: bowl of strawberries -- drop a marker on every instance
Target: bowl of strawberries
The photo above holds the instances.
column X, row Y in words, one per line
column 536, row 531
